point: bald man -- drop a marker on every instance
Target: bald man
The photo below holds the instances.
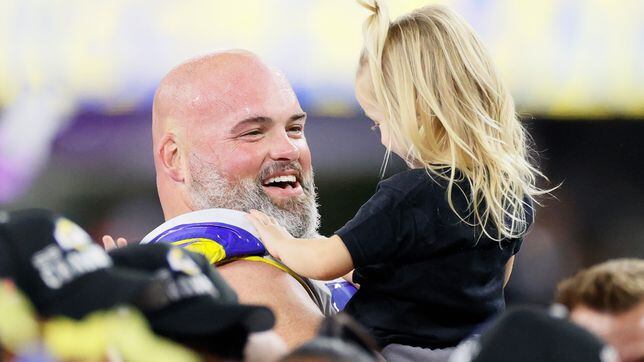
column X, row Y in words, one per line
column 228, row 132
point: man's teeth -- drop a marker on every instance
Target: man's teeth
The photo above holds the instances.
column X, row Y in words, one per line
column 289, row 178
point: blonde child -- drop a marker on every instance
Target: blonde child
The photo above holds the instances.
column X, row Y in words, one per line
column 433, row 248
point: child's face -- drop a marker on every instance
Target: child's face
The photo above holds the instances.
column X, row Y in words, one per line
column 366, row 98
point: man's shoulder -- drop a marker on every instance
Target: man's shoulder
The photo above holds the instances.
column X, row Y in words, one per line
column 263, row 275
column 242, row 274
column 263, row 284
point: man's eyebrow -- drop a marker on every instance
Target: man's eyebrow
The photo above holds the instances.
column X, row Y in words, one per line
column 263, row 120
column 243, row 123
column 297, row 116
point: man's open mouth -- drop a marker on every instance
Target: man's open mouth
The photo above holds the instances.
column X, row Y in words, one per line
column 283, row 182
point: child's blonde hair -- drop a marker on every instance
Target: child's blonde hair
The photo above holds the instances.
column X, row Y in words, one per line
column 447, row 108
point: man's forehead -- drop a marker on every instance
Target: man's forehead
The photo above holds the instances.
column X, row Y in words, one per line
column 237, row 99
column 223, row 88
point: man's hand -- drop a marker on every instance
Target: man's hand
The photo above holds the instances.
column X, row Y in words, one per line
column 273, row 235
column 109, row 244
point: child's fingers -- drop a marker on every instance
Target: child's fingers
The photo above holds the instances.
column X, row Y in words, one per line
column 252, row 218
column 257, row 223
column 261, row 217
column 269, row 219
column 108, row 243
column 121, row 242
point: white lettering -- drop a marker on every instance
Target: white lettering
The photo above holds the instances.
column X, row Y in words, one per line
column 57, row 269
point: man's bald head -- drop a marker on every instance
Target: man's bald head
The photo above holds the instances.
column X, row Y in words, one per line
column 210, row 87
column 225, row 127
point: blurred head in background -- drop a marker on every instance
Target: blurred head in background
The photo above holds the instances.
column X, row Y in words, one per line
column 228, row 132
column 608, row 300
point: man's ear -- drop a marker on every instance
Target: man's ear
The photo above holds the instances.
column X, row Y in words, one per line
column 170, row 157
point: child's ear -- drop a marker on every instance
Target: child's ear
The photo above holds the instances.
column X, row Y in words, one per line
column 170, row 158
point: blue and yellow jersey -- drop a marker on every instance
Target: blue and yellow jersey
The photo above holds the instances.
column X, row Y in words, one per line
column 223, row 236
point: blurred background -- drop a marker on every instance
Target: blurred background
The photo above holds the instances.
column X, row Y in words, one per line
column 77, row 79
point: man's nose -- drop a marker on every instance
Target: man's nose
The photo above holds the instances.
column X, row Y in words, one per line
column 284, row 148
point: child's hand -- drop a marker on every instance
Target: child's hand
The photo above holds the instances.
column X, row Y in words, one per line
column 109, row 244
column 272, row 234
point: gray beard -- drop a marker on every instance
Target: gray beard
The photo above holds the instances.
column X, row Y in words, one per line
column 209, row 189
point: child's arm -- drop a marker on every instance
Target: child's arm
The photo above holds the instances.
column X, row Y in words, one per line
column 320, row 258
column 508, row 271
column 349, row 278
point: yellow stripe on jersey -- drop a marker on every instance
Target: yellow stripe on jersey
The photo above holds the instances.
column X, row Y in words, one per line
column 212, row 250
column 216, row 254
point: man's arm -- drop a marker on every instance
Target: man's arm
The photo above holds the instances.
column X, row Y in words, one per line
column 258, row 283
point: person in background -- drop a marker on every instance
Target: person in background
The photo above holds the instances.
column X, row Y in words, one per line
column 608, row 300
column 532, row 334
column 143, row 302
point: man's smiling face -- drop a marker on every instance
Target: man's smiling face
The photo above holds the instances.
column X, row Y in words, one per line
column 247, row 138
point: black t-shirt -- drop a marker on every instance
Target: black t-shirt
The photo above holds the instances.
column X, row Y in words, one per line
column 426, row 278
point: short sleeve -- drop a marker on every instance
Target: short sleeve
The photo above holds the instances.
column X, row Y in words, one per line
column 375, row 233
column 516, row 245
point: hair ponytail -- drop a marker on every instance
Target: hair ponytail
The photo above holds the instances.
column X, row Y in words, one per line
column 374, row 31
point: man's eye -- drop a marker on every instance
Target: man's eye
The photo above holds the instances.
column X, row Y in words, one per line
column 296, row 129
column 253, row 133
